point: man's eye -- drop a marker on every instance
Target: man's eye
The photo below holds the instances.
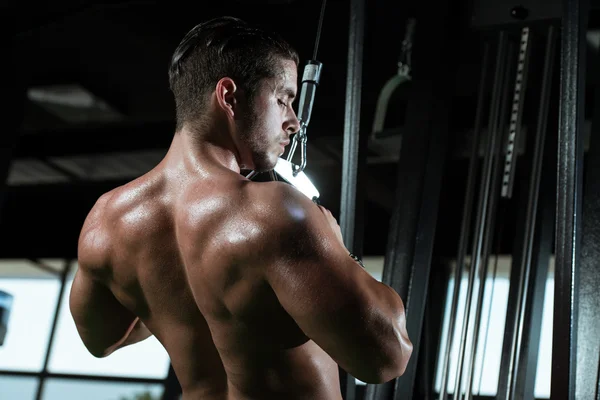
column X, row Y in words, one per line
column 281, row 103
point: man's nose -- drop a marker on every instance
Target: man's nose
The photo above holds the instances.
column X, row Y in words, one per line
column 293, row 124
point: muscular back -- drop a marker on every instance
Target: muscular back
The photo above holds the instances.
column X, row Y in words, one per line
column 191, row 260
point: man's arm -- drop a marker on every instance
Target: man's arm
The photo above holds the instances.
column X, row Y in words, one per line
column 103, row 323
column 357, row 320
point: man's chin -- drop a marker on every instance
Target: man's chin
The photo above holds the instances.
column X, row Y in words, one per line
column 266, row 166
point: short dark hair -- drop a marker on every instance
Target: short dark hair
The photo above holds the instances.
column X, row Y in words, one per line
column 223, row 46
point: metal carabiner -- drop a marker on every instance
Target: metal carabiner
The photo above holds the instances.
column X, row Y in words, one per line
column 301, row 137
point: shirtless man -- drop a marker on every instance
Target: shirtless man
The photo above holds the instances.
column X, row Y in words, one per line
column 247, row 285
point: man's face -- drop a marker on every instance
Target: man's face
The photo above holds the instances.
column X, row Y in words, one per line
column 270, row 119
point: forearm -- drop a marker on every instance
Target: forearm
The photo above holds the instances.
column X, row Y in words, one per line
column 386, row 320
column 398, row 315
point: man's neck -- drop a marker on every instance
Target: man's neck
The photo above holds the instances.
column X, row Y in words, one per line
column 200, row 152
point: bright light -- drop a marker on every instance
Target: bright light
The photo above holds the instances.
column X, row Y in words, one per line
column 300, row 181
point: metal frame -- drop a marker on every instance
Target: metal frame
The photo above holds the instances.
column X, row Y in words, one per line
column 350, row 160
column 588, row 325
column 170, row 384
column 568, row 200
column 420, row 169
column 528, row 278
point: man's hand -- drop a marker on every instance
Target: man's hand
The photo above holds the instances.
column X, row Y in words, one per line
column 137, row 333
column 333, row 224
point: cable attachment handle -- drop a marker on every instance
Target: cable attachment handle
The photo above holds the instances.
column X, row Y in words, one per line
column 299, row 137
column 310, row 81
column 405, row 58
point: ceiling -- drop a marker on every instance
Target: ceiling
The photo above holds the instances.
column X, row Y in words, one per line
column 97, row 111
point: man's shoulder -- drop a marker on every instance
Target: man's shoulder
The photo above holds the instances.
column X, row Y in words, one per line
column 94, row 240
column 278, row 201
column 283, row 215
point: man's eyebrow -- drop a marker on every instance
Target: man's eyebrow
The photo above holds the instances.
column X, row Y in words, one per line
column 289, row 92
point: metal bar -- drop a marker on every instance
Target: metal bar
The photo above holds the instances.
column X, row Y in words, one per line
column 489, row 305
column 38, row 264
column 63, row 281
column 490, row 224
column 425, row 233
column 543, row 241
column 466, row 221
column 588, row 324
column 536, row 288
column 352, row 120
column 351, row 146
column 568, row 200
column 398, row 264
column 426, row 355
column 420, row 169
column 528, row 364
column 482, row 206
column 435, row 314
column 79, row 377
column 412, row 226
column 521, row 300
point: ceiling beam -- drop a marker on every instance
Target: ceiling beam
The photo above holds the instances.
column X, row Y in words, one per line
column 95, row 139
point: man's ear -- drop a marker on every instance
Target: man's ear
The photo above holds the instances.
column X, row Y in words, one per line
column 225, row 92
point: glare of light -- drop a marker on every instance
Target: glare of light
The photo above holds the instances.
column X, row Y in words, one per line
column 301, row 181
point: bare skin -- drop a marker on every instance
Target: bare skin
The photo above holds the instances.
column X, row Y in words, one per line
column 247, row 285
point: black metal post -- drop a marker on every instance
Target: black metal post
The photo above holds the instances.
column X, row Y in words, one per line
column 399, row 263
column 568, row 200
column 425, row 235
column 63, row 281
column 420, row 169
column 351, row 146
column 588, row 323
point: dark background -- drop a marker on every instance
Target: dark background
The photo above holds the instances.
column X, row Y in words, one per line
column 120, row 52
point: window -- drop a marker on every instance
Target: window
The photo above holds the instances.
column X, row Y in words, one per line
column 18, row 387
column 35, row 293
column 69, row 389
column 486, row 371
column 491, row 335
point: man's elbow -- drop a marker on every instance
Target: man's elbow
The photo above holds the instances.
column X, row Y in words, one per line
column 97, row 351
column 394, row 366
